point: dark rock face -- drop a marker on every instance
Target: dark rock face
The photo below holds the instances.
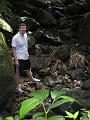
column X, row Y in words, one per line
column 85, row 28
column 63, row 16
column 45, row 18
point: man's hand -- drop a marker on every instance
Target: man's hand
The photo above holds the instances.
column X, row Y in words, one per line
column 17, row 63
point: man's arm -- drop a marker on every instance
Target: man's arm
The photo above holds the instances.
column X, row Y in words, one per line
column 14, row 55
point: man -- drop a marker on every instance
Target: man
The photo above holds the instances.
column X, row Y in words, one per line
column 21, row 55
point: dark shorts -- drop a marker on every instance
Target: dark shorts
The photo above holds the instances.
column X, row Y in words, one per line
column 23, row 65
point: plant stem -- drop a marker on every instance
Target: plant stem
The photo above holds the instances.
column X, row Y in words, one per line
column 44, row 110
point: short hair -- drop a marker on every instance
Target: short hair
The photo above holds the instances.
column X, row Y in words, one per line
column 22, row 24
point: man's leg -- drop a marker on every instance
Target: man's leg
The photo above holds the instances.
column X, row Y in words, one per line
column 29, row 74
column 17, row 79
column 27, row 68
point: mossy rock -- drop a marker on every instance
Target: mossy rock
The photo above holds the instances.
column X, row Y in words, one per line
column 7, row 82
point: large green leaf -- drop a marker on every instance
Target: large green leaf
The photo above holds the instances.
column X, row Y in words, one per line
column 38, row 114
column 56, row 94
column 56, row 117
column 4, row 25
column 88, row 114
column 28, row 105
column 57, row 103
column 41, row 94
column 69, row 98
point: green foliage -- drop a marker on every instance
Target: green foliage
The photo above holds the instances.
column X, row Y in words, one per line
column 38, row 114
column 4, row 25
column 38, row 98
column 88, row 114
column 56, row 94
column 70, row 115
column 56, row 117
column 28, row 105
column 85, row 115
column 4, row 8
column 9, row 118
column 41, row 94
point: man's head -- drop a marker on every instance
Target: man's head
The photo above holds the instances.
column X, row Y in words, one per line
column 22, row 28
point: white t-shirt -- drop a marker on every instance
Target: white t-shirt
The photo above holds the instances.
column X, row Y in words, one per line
column 21, row 44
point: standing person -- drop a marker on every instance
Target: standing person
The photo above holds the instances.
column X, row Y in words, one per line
column 21, row 55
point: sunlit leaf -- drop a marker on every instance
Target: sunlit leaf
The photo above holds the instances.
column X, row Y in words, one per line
column 89, row 114
column 41, row 94
column 69, row 115
column 28, row 105
column 2, row 40
column 56, row 94
column 4, row 25
column 57, row 103
column 69, row 98
column 76, row 114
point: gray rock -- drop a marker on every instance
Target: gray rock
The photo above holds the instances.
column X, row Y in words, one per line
column 86, row 84
column 78, row 74
column 63, row 53
column 49, row 81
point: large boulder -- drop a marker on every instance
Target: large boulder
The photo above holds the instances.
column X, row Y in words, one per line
column 7, row 83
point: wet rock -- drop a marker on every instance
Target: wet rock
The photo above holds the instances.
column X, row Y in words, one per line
column 85, row 28
column 44, row 72
column 78, row 74
column 66, row 35
column 85, row 99
column 32, row 24
column 45, row 18
column 65, row 23
column 63, row 53
column 49, row 81
column 37, row 62
column 86, row 85
column 44, row 49
column 83, row 48
column 76, row 8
